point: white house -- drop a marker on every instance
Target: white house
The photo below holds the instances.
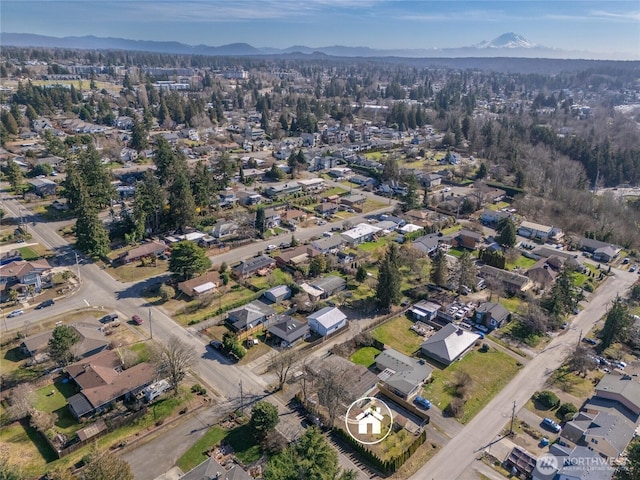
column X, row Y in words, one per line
column 363, row 232
column 326, row 321
column 371, row 416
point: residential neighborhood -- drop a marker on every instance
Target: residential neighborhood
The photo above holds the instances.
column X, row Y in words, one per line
column 209, row 264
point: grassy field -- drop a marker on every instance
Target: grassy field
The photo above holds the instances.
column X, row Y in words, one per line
column 196, row 311
column 334, row 191
column 365, row 356
column 142, row 350
column 240, row 438
column 372, row 246
column 581, row 387
column 512, row 304
column 489, row 372
column 134, row 272
column 371, row 205
column 396, row 334
column 26, row 449
column 276, row 277
column 521, row 262
column 28, row 253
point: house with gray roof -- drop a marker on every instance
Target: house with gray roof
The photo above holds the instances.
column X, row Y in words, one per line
column 91, row 340
column 511, row 281
column 278, row 293
column 622, row 389
column 328, row 244
column 249, row 316
column 330, row 285
column 605, row 432
column 401, row 374
column 492, row 315
column 580, row 463
column 327, row 320
column 289, row 330
column 449, row 344
column 210, row 469
column 247, row 268
column 427, row 244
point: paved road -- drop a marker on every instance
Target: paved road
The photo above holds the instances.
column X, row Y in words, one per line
column 456, row 458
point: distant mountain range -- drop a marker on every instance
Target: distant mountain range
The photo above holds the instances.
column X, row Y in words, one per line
column 506, row 45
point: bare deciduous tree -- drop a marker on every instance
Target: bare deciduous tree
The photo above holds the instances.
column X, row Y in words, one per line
column 173, row 359
column 281, row 363
column 42, row 421
column 21, row 401
column 332, row 390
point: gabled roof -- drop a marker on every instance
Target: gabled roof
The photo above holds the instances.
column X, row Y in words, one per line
column 96, row 370
column 328, row 243
column 254, row 264
column 149, row 248
column 279, row 291
column 328, row 316
column 91, row 338
column 496, row 310
column 612, row 428
column 20, row 268
column 192, row 286
column 289, row 329
column 407, row 373
column 249, row 313
column 210, row 469
column 621, row 385
column 449, row 343
column 329, row 283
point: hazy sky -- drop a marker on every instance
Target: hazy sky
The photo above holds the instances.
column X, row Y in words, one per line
column 597, row 26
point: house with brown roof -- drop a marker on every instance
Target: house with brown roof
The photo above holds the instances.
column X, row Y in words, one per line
column 194, row 287
column 293, row 215
column 21, row 274
column 512, row 282
column 295, row 256
column 92, row 340
column 103, row 380
column 468, row 239
column 149, row 249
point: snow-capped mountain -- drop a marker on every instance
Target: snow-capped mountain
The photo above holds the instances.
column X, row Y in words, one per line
column 507, row 40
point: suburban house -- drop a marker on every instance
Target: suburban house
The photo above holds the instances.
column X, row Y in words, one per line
column 222, row 230
column 92, row 341
column 361, row 380
column 327, row 321
column 43, row 187
column 427, row 244
column 419, row 217
column 468, row 239
column 363, row 181
column 249, row 316
column 202, row 285
column 327, row 208
column 512, row 282
column 271, row 218
column 353, row 200
column 543, row 272
column 330, row 285
column 21, row 275
column 363, row 232
column 492, row 315
column 288, row 330
column 607, row 433
column 579, row 463
column 605, row 254
column 431, row 180
column 623, row 390
column 283, row 189
column 293, row 216
column 449, row 344
column 401, row 374
column 149, row 249
column 535, row 231
column 424, row 311
column 296, row 256
column 103, row 380
column 210, row 469
column 278, row 293
column 591, row 245
column 328, row 244
column 492, row 217
column 312, row 184
column 260, row 265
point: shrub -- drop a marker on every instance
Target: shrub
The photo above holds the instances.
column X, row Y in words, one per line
column 455, row 407
column 547, row 399
column 567, row 411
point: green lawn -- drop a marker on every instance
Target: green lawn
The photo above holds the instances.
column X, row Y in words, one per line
column 371, row 246
column 521, row 262
column 576, row 385
column 489, row 371
column 134, row 272
column 28, row 253
column 276, row 277
column 142, row 350
column 240, row 439
column 396, row 334
column 53, row 397
column 512, row 304
column 365, row 356
column 334, row 191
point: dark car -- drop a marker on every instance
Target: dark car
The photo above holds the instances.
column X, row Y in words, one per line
column 590, row 341
column 45, row 304
column 217, row 344
column 137, row 320
column 109, row 318
column 422, row 402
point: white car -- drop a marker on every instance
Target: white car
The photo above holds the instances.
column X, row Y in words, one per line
column 272, row 247
column 15, row 313
column 447, row 189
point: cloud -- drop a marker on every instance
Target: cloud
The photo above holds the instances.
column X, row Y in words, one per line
column 615, row 16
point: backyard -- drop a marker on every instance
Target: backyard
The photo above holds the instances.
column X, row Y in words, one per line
column 240, row 439
column 365, row 356
column 489, row 371
column 396, row 334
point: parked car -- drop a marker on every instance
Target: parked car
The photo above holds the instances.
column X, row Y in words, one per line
column 137, row 320
column 550, row 424
column 217, row 344
column 45, row 304
column 633, row 268
column 590, row 341
column 15, row 313
column 422, row 402
column 272, row 247
column 109, row 318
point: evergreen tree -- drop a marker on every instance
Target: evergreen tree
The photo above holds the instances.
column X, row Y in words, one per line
column 317, row 266
column 202, row 185
column 264, row 418
column 61, row 343
column 411, row 198
column 139, row 140
column 13, row 173
column 482, row 171
column 361, row 274
column 260, row 223
column 164, row 158
column 617, row 324
column 439, row 268
column 149, row 202
column 9, row 123
column 467, row 271
column 506, row 233
column 562, row 298
column 388, row 291
column 182, row 206
column 188, row 260
column 91, row 236
column 96, row 177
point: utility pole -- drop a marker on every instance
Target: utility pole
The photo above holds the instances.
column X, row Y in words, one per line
column 580, row 337
column 241, row 400
column 78, row 267
column 150, row 328
column 513, row 418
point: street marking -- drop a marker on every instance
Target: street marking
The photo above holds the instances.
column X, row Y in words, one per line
column 85, row 301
